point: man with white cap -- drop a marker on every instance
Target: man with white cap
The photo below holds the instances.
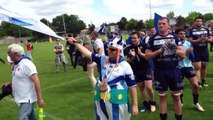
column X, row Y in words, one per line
column 116, row 78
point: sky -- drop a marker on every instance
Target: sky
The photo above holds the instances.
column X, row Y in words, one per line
column 99, row 11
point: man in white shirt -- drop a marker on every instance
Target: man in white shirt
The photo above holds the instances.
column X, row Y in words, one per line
column 25, row 83
column 97, row 43
column 98, row 46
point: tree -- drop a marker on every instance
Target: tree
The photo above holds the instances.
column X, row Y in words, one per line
column 122, row 23
column 207, row 17
column 170, row 15
column 180, row 21
column 192, row 15
column 140, row 25
column 149, row 23
column 2, row 32
column 131, row 24
column 14, row 30
column 71, row 22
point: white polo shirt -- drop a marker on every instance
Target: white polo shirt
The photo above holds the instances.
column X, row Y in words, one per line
column 98, row 43
column 23, row 87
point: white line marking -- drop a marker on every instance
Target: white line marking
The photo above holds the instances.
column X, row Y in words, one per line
column 64, row 83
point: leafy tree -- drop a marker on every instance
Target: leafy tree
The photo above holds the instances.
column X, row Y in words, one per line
column 192, row 16
column 14, row 30
column 2, row 32
column 112, row 24
column 140, row 25
column 207, row 17
column 170, row 15
column 122, row 23
column 180, row 21
column 71, row 22
column 131, row 24
column 149, row 23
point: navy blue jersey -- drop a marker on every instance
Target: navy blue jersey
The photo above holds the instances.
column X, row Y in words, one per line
column 162, row 61
column 195, row 34
column 139, row 63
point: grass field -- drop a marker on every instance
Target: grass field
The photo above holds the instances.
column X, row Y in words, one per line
column 68, row 95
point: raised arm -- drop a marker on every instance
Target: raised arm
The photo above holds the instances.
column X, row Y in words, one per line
column 81, row 48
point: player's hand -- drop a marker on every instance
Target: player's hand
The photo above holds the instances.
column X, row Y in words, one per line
column 161, row 50
column 139, row 51
column 206, row 39
column 132, row 52
column 103, row 85
column 168, row 41
column 134, row 110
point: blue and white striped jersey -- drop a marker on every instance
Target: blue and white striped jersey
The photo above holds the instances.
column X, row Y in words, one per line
column 120, row 77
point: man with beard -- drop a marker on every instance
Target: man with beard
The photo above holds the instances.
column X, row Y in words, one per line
column 199, row 36
column 187, row 69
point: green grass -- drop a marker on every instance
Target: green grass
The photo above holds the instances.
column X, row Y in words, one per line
column 68, row 95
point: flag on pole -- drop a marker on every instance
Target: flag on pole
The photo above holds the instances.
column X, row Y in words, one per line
column 156, row 18
column 102, row 28
column 29, row 23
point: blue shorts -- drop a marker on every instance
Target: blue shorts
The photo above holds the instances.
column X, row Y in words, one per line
column 201, row 57
column 187, row 72
column 168, row 78
column 143, row 75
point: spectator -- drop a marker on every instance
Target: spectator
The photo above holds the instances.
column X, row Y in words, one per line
column 25, row 83
column 70, row 50
column 60, row 57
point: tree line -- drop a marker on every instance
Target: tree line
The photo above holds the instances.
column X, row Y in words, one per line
column 72, row 24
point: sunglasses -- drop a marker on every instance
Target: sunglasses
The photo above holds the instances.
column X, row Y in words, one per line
column 112, row 49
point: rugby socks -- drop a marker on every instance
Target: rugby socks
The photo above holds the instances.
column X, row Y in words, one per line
column 163, row 116
column 203, row 81
column 146, row 104
column 195, row 98
column 152, row 102
column 178, row 117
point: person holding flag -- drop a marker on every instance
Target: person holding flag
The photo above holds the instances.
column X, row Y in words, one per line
column 116, row 78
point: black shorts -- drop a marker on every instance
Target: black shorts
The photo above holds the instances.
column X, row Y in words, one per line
column 143, row 75
column 201, row 56
column 168, row 78
column 187, row 72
